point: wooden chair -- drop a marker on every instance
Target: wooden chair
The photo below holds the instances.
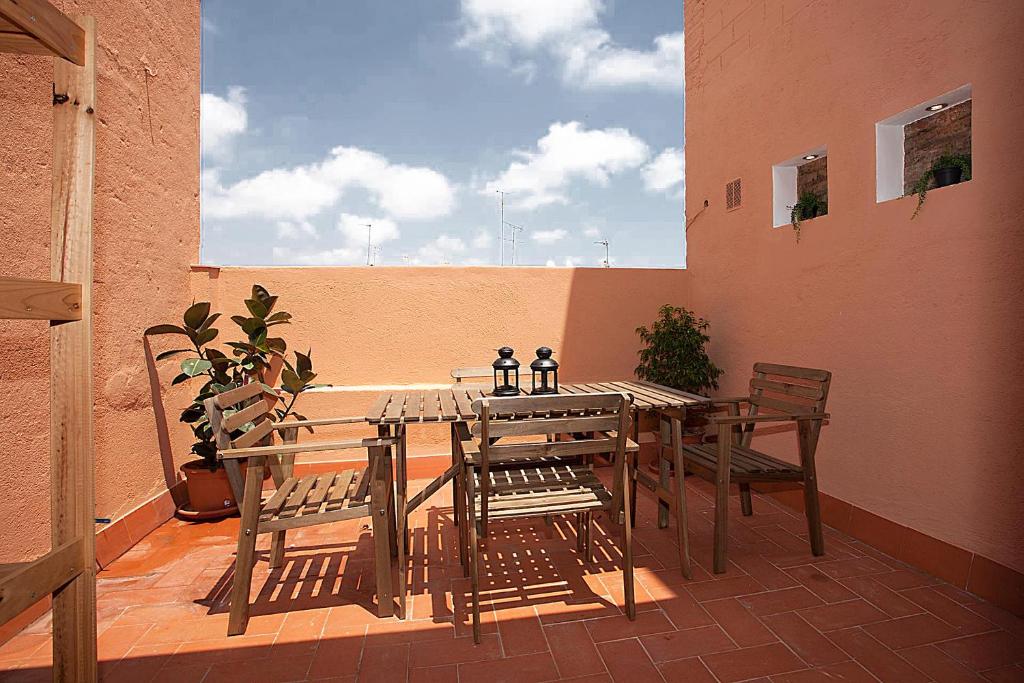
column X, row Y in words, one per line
column 790, row 394
column 517, row 479
column 296, row 502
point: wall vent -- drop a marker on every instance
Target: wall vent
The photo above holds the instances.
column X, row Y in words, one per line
column 733, row 196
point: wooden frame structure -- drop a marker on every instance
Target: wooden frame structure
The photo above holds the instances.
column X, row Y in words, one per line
column 68, row 571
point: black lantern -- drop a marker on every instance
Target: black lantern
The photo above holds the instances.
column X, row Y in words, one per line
column 544, row 373
column 508, row 368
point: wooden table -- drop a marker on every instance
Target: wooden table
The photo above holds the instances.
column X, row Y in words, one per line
column 393, row 411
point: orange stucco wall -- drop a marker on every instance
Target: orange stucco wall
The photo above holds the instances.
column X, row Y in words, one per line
column 920, row 321
column 146, row 232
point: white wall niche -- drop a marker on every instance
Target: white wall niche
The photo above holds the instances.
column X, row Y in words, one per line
column 784, row 184
column 889, row 138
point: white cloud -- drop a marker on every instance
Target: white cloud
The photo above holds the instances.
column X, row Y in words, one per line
column 515, row 32
column 354, row 231
column 352, row 252
column 482, row 240
column 568, row 152
column 292, row 230
column 591, row 232
column 299, row 192
column 665, row 171
column 569, row 262
column 221, row 120
column 208, row 26
column 342, row 256
column 440, row 249
column 548, row 236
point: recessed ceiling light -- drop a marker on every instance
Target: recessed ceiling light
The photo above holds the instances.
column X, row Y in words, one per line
column 810, row 157
column 936, row 107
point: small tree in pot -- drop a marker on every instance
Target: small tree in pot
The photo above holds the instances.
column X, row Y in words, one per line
column 254, row 359
column 674, row 355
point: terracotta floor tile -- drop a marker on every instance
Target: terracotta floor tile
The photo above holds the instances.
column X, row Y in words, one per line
column 938, row 665
column 384, row 663
column 919, row 629
column 1013, row 673
column 764, row 572
column 616, row 628
column 703, row 640
column 858, row 566
column 805, row 640
column 901, row 579
column 690, row 670
column 875, row 657
column 22, row 646
column 533, row 668
column 272, row 670
column 824, row 587
column 685, row 612
column 763, row 660
column 842, row 615
column 573, row 650
column 455, row 651
column 435, row 674
column 881, row 596
column 336, row 657
column 784, row 600
column 985, row 651
column 116, row 641
column 741, row 625
column 724, row 588
column 520, row 631
column 949, row 611
column 627, row 662
column 849, row 672
column 189, row 673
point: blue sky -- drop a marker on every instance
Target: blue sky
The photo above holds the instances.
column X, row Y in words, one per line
column 320, row 117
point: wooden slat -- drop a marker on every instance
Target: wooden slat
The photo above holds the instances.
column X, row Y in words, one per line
column 319, row 493
column 778, row 404
column 234, row 453
column 431, row 406
column 792, row 371
column 274, row 503
column 397, row 407
column 430, row 489
column 448, row 409
column 376, row 412
column 338, row 515
column 595, row 423
column 295, row 424
column 550, row 449
column 49, row 26
column 359, row 490
column 550, row 404
column 690, row 399
column 238, row 394
column 32, row 581
column 297, row 497
column 464, row 373
column 245, row 416
column 39, row 299
column 253, row 436
column 465, row 403
column 338, row 494
column 786, row 388
column 72, row 470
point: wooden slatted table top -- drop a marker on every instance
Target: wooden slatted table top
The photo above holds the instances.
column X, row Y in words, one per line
column 454, row 403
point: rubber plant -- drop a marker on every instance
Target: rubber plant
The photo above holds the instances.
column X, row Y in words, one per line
column 247, row 360
column 809, row 205
column 947, row 160
column 674, row 352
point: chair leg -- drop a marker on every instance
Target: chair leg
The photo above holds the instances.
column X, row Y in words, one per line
column 474, row 560
column 806, row 439
column 402, row 519
column 664, row 437
column 462, row 511
column 588, row 530
column 246, row 552
column 746, row 504
column 277, row 542
column 380, row 520
column 682, row 525
column 627, row 552
column 722, row 499
column 455, row 479
column 580, row 531
column 632, row 498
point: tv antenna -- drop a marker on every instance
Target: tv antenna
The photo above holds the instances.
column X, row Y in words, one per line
column 604, row 243
column 501, row 226
column 374, row 252
column 369, row 246
column 514, row 228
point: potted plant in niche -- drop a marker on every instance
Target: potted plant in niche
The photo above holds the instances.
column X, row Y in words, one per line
column 948, row 169
column 808, row 206
column 674, row 355
column 257, row 358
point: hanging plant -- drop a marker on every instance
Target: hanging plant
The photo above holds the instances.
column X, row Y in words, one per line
column 948, row 169
column 810, row 205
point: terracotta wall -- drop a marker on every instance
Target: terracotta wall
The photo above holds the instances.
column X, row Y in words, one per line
column 146, row 223
column 381, row 326
column 920, row 320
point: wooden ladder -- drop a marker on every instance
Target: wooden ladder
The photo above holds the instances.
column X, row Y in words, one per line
column 68, row 571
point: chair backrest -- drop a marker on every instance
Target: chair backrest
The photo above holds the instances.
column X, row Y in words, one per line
column 589, row 416
column 234, row 409
column 459, row 374
column 787, row 389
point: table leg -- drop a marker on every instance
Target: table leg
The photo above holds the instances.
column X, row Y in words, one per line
column 380, row 500
column 664, row 465
column 402, row 531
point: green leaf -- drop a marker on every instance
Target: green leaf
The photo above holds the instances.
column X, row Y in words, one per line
column 164, row 329
column 290, row 382
column 195, row 366
column 168, row 354
column 206, row 336
column 239, row 319
column 303, row 363
column 180, row 378
column 209, row 321
column 260, row 293
column 197, row 314
column 277, row 345
column 257, row 308
column 192, row 413
column 252, row 327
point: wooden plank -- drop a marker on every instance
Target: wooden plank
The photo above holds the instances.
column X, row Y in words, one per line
column 252, row 437
column 396, row 407
column 238, row 394
column 72, row 484
column 431, row 406
column 376, row 412
column 786, row 388
column 297, row 497
column 460, row 374
column 693, row 399
column 338, row 515
column 19, row 43
column 561, row 425
column 32, row 581
column 304, row 448
column 277, row 499
column 39, row 299
column 50, row 27
column 448, row 409
column 464, row 403
column 319, row 492
column 525, row 405
column 413, row 408
column 322, row 422
column 778, row 404
column 339, row 490
column 792, row 371
column 244, row 416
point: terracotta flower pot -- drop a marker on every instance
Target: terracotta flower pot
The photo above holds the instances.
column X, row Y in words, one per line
column 209, row 492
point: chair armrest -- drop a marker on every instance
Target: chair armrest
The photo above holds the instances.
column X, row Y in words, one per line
column 729, row 400
column 631, row 446
column 288, row 424
column 743, row 419
column 236, row 453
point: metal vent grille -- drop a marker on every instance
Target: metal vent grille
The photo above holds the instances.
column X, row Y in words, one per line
column 733, row 194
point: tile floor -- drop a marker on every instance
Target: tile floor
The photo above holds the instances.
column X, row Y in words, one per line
column 778, row 614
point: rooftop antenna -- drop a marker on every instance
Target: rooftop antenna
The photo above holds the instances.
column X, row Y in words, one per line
column 374, row 251
column 369, row 249
column 607, row 264
column 501, row 226
column 514, row 228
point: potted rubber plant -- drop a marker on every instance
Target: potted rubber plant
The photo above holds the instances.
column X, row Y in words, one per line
column 948, row 169
column 674, row 354
column 256, row 357
column 808, row 206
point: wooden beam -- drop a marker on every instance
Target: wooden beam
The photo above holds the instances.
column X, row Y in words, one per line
column 22, row 44
column 48, row 26
column 33, row 581
column 39, row 300
column 72, row 485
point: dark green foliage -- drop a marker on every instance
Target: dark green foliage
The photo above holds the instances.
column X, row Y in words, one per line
column 673, row 353
column 249, row 361
column 808, row 206
column 947, row 160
